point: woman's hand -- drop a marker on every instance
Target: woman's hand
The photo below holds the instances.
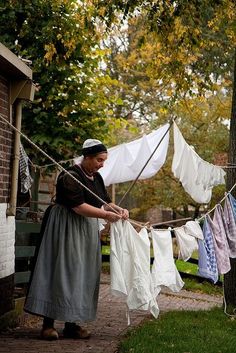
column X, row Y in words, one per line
column 124, row 213
column 87, row 210
column 112, row 216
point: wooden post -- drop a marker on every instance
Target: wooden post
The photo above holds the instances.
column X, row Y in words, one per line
column 35, row 190
column 113, row 193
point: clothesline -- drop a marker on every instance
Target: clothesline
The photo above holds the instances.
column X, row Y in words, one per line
column 55, row 162
column 36, row 166
column 206, row 174
column 40, row 167
column 140, row 224
column 60, row 167
column 233, row 166
column 148, row 225
column 226, row 194
column 44, row 166
column 131, row 249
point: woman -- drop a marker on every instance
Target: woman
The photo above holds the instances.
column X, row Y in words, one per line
column 66, row 277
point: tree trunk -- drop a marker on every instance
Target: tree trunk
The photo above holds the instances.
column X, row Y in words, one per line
column 230, row 277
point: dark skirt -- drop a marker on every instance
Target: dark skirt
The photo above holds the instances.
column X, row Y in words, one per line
column 66, row 277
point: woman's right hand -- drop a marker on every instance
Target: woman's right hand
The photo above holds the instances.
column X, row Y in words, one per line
column 112, row 216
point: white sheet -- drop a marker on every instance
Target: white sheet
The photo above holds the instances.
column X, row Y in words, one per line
column 196, row 175
column 125, row 161
column 164, row 271
column 130, row 267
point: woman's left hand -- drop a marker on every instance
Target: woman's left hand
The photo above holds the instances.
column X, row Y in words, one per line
column 124, row 213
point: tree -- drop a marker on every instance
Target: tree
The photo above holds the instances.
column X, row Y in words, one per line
column 178, row 55
column 149, row 88
column 230, row 277
column 199, row 120
column 207, row 29
column 61, row 39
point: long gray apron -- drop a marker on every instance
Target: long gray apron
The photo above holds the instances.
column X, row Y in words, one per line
column 66, row 278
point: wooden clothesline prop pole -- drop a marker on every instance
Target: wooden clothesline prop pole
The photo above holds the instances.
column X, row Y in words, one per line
column 113, row 193
column 72, row 176
column 134, row 181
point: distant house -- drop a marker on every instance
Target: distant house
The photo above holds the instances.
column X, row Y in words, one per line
column 15, row 86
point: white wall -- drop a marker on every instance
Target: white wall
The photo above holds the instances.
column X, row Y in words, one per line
column 7, row 243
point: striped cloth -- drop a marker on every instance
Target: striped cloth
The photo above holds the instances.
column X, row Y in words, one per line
column 25, row 177
column 233, row 204
column 220, row 240
column 207, row 265
column 230, row 227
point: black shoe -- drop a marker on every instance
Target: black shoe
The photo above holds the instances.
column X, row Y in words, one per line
column 76, row 331
column 49, row 334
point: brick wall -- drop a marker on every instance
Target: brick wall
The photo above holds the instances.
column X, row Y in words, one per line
column 7, row 224
column 6, row 136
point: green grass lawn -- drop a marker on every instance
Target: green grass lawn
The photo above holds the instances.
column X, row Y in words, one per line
column 106, row 250
column 207, row 287
column 183, row 332
column 186, row 267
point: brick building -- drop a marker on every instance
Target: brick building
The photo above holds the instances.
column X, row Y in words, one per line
column 15, row 86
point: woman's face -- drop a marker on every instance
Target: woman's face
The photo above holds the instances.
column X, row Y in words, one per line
column 94, row 163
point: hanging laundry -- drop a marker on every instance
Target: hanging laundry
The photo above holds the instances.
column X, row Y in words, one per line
column 233, row 204
column 207, row 265
column 193, row 228
column 130, row 267
column 25, row 177
column 196, row 175
column 125, row 161
column 209, row 175
column 187, row 243
column 164, row 271
column 230, row 227
column 220, row 240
